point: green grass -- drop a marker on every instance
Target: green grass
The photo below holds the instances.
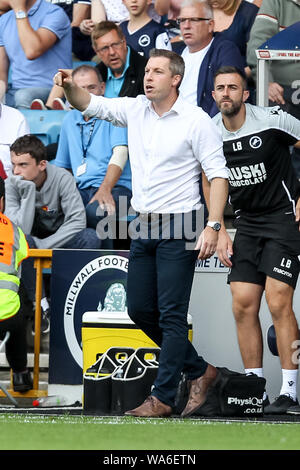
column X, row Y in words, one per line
column 37, row 432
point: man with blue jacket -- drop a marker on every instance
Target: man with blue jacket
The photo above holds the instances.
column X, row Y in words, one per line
column 203, row 54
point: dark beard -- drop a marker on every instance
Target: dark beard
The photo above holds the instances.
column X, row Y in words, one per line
column 233, row 111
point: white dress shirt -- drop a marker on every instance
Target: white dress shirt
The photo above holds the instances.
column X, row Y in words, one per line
column 166, row 153
column 12, row 125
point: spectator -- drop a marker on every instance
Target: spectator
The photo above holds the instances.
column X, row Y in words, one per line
column 81, row 43
column 121, row 67
column 44, row 201
column 35, row 38
column 141, row 32
column 103, row 10
column 233, row 19
column 14, row 250
column 86, row 147
column 203, row 53
column 77, row 11
column 12, row 125
column 111, row 10
column 171, row 8
column 274, row 16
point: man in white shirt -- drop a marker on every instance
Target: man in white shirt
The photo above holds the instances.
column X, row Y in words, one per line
column 169, row 140
column 203, row 53
column 13, row 124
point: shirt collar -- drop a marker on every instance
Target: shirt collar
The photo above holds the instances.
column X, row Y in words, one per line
column 109, row 72
column 34, row 7
column 78, row 118
column 176, row 108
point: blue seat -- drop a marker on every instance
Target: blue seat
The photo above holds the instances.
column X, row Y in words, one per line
column 84, row 62
column 45, row 124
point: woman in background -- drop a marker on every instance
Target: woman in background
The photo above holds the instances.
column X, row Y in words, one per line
column 234, row 19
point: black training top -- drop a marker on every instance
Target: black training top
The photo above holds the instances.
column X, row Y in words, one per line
column 261, row 176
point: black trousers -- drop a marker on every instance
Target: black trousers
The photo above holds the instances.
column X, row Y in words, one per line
column 16, row 346
column 159, row 283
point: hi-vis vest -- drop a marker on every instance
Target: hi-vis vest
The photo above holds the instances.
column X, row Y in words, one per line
column 13, row 249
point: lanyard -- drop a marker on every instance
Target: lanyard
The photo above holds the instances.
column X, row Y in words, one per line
column 85, row 148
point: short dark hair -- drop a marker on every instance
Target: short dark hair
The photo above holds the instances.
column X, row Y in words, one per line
column 177, row 66
column 231, row 69
column 30, row 144
column 2, row 187
column 88, row 68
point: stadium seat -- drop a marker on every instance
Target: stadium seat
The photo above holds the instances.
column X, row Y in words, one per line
column 45, row 124
column 77, row 63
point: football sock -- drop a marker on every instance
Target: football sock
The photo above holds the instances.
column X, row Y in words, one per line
column 257, row 371
column 289, row 383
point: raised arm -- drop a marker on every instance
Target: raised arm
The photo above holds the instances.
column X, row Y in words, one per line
column 77, row 97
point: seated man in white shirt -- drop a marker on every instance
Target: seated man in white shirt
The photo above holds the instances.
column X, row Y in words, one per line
column 169, row 140
column 203, row 53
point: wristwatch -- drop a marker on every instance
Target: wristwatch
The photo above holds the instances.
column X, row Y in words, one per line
column 20, row 14
column 214, row 225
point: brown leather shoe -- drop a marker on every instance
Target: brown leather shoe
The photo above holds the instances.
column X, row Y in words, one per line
column 152, row 407
column 198, row 390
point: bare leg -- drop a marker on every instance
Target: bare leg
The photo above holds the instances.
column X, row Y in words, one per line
column 246, row 305
column 279, row 297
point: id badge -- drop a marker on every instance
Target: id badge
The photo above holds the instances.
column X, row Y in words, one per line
column 81, row 169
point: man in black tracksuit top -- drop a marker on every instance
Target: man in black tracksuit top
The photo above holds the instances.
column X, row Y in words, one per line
column 264, row 192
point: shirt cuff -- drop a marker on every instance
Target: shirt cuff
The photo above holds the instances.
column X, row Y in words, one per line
column 220, row 173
